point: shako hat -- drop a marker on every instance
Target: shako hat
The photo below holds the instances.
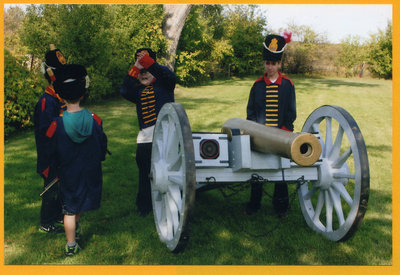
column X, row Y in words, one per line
column 274, row 45
column 72, row 81
column 53, row 60
column 148, row 51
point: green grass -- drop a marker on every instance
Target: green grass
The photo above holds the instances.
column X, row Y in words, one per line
column 220, row 233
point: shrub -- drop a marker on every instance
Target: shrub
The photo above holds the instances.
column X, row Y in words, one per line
column 380, row 53
column 22, row 90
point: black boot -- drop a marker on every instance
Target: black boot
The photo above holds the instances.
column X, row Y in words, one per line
column 281, row 199
column 255, row 198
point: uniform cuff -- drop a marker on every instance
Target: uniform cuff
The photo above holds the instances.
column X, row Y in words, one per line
column 286, row 129
column 134, row 72
column 146, row 61
column 45, row 173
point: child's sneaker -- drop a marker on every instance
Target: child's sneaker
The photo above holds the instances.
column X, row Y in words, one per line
column 71, row 250
column 50, row 228
column 59, row 223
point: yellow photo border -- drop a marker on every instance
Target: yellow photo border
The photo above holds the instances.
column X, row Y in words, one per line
column 218, row 269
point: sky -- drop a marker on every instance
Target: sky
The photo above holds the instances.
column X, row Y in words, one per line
column 336, row 22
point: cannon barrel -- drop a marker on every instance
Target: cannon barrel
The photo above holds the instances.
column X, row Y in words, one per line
column 302, row 148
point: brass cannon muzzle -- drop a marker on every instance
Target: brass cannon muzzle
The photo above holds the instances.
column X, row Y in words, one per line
column 302, row 148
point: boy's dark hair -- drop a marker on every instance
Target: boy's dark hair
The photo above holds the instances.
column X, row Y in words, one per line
column 71, row 82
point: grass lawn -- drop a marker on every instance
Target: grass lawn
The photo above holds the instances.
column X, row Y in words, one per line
column 220, row 233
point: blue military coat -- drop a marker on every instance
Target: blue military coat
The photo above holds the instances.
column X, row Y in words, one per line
column 78, row 165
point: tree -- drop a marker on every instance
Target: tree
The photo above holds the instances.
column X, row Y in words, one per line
column 351, row 56
column 245, row 31
column 304, row 51
column 174, row 20
column 22, row 89
column 380, row 53
column 103, row 38
column 13, row 18
column 220, row 41
column 195, row 53
column 38, row 28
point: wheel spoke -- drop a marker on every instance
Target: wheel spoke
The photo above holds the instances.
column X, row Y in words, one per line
column 342, row 159
column 175, row 163
column 329, row 209
column 162, row 218
column 328, row 137
column 309, row 194
column 337, row 145
column 174, row 213
column 168, row 215
column 160, row 148
column 177, row 179
column 165, row 134
column 318, row 209
column 343, row 176
column 337, row 205
column 315, row 129
column 343, row 192
column 175, row 193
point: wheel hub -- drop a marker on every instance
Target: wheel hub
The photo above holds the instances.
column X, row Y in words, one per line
column 325, row 174
column 159, row 173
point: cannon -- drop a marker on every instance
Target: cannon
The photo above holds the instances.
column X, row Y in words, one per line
column 328, row 157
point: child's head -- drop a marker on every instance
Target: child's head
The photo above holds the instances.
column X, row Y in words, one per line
column 145, row 77
column 54, row 60
column 72, row 82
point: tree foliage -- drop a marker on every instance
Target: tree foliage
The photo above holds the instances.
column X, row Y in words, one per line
column 13, row 18
column 352, row 56
column 220, row 41
column 304, row 51
column 380, row 53
column 103, row 38
column 22, row 88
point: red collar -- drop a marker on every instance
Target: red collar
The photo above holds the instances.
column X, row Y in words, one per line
column 278, row 81
column 50, row 90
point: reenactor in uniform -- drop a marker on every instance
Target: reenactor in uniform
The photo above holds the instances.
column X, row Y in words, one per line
column 272, row 102
column 48, row 107
column 149, row 85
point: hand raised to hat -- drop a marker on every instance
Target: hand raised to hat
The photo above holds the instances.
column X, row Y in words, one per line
column 137, row 63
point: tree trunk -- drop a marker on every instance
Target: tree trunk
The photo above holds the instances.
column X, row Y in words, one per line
column 174, row 20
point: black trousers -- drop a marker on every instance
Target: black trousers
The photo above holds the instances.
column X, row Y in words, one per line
column 280, row 198
column 51, row 209
column 143, row 161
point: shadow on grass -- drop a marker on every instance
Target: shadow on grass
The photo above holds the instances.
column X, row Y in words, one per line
column 237, row 81
column 219, row 223
column 329, row 83
column 378, row 150
column 338, row 82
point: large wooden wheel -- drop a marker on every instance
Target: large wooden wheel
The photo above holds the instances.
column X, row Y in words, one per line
column 173, row 176
column 335, row 204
